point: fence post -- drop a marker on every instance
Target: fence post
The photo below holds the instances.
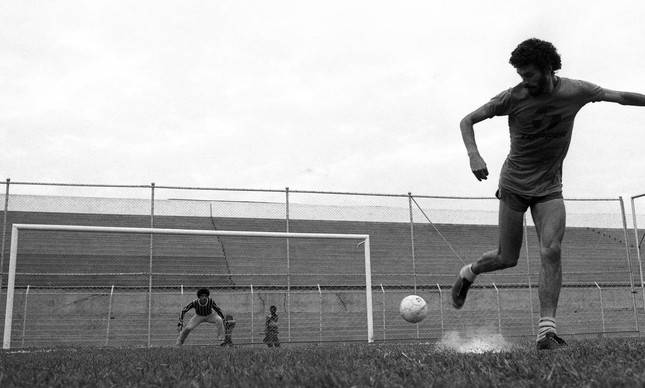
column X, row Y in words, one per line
column 629, row 258
column 414, row 264
column 602, row 310
column 320, row 310
column 288, row 267
column 638, row 247
column 152, row 225
column 629, row 262
column 181, row 302
column 107, row 331
column 4, row 230
column 252, row 312
column 383, row 308
column 499, row 310
column 441, row 308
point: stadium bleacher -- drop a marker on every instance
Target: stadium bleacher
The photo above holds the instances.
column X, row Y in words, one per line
column 590, row 254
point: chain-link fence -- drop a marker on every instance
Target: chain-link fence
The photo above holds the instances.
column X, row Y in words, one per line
column 126, row 290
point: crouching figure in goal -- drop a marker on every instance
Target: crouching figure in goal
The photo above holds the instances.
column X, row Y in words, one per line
column 206, row 310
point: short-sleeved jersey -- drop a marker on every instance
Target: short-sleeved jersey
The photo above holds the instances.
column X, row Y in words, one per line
column 200, row 309
column 272, row 323
column 540, row 130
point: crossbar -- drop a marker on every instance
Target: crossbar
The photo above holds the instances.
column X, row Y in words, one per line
column 111, row 229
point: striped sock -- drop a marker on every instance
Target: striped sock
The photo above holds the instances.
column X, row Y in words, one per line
column 467, row 273
column 546, row 325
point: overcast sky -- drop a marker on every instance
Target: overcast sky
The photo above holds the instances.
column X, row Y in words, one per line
column 323, row 95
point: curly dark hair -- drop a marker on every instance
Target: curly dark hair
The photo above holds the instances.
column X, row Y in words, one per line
column 203, row 291
column 536, row 52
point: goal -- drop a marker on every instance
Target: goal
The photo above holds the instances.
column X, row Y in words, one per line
column 123, row 286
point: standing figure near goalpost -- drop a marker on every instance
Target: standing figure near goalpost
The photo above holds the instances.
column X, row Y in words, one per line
column 271, row 328
column 206, row 310
column 541, row 110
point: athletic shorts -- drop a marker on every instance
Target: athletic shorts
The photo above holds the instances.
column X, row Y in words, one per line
column 521, row 203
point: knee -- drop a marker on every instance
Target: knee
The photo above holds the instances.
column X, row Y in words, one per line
column 507, row 261
column 551, row 253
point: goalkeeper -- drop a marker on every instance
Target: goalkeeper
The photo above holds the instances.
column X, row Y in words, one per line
column 206, row 310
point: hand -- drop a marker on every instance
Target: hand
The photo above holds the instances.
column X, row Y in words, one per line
column 478, row 166
column 180, row 325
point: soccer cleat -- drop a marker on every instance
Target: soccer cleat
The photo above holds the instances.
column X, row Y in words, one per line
column 551, row 342
column 459, row 292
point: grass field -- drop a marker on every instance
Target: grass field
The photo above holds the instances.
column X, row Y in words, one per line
column 589, row 363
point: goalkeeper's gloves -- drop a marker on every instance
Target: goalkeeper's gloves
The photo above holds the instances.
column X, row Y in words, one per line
column 180, row 325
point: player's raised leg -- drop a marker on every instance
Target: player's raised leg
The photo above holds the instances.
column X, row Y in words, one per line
column 550, row 222
column 511, row 232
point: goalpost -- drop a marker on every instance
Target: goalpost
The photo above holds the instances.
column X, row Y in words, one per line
column 314, row 262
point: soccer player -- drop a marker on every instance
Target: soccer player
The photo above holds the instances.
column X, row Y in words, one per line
column 271, row 329
column 541, row 110
column 229, row 324
column 206, row 310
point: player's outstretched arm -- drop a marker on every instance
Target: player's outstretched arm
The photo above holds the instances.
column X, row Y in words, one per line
column 467, row 126
column 624, row 98
column 180, row 324
column 185, row 310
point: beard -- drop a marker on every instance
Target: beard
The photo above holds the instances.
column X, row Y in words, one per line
column 536, row 90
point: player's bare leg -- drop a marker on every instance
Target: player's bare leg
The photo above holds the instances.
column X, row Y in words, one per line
column 511, row 232
column 550, row 222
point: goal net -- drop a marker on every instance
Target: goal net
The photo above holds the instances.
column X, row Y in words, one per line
column 114, row 286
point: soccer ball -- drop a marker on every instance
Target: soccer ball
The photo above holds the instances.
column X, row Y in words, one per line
column 413, row 308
